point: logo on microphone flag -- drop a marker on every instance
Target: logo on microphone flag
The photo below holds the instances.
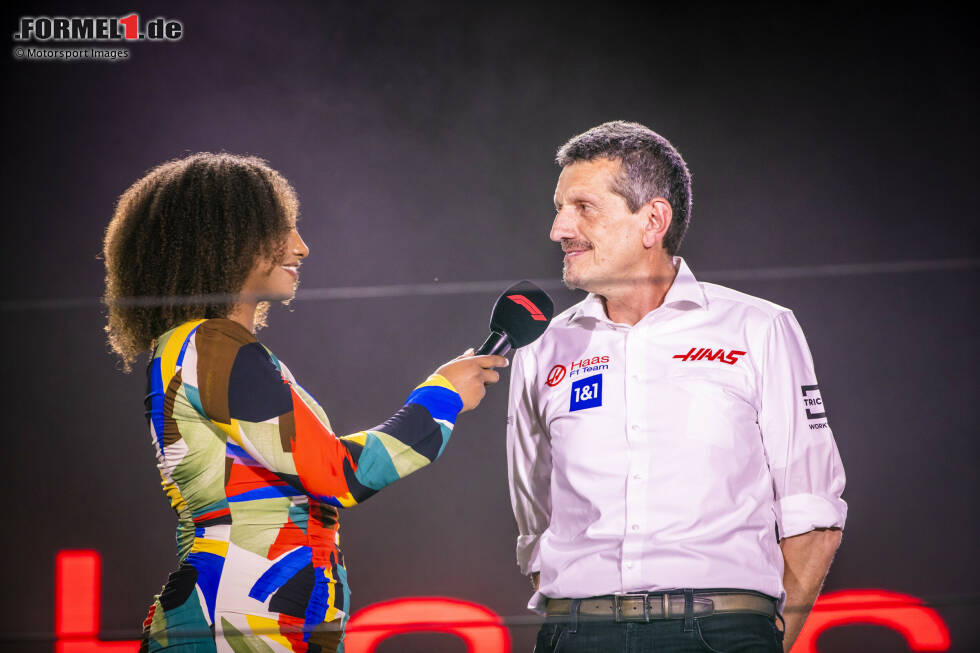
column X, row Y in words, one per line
column 529, row 305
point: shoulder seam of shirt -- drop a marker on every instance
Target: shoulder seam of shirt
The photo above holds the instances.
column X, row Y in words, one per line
column 715, row 292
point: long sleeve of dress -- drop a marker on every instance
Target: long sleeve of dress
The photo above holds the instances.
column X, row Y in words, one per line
column 231, row 379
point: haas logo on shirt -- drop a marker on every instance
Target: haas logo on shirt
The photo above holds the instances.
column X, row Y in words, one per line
column 720, row 355
column 577, row 368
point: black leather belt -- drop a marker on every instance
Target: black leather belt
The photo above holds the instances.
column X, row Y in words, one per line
column 666, row 605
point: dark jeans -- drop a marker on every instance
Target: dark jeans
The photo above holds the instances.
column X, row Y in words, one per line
column 723, row 633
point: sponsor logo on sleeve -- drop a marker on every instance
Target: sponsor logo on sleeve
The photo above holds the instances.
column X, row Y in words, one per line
column 586, row 393
column 813, row 404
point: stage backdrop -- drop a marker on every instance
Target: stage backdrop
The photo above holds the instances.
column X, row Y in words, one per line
column 826, row 145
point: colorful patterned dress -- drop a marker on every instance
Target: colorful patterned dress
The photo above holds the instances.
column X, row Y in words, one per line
column 256, row 475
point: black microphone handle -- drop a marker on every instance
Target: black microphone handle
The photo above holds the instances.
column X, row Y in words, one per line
column 497, row 343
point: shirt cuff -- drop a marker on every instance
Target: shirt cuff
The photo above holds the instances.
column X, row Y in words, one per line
column 801, row 513
column 527, row 553
column 538, row 603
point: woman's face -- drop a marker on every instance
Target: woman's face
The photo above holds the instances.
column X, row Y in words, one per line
column 277, row 281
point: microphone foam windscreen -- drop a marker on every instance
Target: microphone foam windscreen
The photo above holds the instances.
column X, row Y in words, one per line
column 522, row 313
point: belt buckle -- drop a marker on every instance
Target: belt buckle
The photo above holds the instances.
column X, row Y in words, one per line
column 618, row 607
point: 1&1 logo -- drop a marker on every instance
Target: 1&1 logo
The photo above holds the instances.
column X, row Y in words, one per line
column 586, row 393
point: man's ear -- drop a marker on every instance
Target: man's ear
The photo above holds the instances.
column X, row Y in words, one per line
column 658, row 214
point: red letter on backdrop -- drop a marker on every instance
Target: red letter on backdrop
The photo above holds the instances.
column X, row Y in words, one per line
column 479, row 627
column 77, row 606
column 922, row 627
column 77, row 600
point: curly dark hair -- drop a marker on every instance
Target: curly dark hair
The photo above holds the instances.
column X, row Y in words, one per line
column 650, row 167
column 183, row 240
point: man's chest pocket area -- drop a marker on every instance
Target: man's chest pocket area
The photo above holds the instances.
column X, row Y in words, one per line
column 713, row 407
column 585, row 418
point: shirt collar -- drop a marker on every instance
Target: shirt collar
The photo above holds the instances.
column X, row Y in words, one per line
column 684, row 290
column 686, row 287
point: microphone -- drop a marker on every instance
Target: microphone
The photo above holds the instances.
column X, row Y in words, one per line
column 519, row 317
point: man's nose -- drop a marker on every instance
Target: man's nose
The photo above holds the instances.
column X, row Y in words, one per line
column 563, row 227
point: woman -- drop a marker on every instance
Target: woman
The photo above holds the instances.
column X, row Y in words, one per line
column 193, row 253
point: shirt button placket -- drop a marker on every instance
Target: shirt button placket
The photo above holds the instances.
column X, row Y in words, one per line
column 636, row 437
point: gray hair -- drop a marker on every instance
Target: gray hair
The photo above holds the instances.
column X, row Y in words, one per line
column 650, row 167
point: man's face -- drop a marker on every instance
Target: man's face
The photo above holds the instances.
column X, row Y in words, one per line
column 601, row 237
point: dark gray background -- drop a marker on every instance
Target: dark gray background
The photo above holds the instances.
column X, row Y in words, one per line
column 420, row 138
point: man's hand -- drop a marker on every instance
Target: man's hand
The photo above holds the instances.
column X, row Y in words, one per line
column 535, row 579
column 807, row 559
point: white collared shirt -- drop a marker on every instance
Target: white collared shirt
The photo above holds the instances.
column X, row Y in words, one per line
column 665, row 455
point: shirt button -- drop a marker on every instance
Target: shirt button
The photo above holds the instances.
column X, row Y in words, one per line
column 629, row 565
column 635, row 427
column 637, row 477
column 635, row 527
column 635, row 377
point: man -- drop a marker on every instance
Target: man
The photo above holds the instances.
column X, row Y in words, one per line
column 675, row 482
